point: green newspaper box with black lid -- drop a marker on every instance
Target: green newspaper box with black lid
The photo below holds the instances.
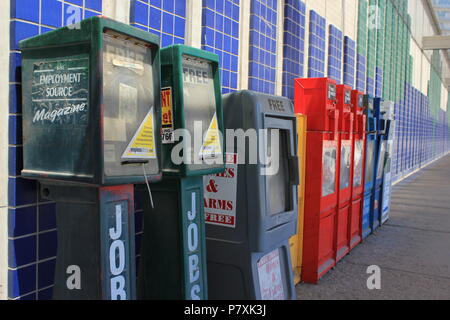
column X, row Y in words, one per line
column 91, row 124
column 173, row 261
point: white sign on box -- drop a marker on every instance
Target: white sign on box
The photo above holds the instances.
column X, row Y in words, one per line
column 220, row 194
column 270, row 281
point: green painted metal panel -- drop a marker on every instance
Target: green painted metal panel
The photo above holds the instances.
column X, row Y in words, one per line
column 70, row 100
column 173, row 256
column 173, row 253
column 197, row 101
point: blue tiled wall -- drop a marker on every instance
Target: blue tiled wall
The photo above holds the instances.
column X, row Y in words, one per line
column 316, row 52
column 165, row 18
column 370, row 89
column 349, row 61
column 293, row 44
column 335, row 54
column 263, row 45
column 220, row 34
column 31, row 221
column 419, row 137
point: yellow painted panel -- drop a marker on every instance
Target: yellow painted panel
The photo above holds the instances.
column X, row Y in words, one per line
column 296, row 242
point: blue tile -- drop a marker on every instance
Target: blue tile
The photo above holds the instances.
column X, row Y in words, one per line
column 21, row 281
column 155, row 18
column 168, row 23
column 25, row 9
column 51, row 13
column 180, row 25
column 15, row 129
column 21, row 30
column 15, row 160
column 21, row 192
column 166, row 40
column 168, row 5
column 21, row 251
column 94, row 5
column 140, row 13
column 218, row 22
column 22, row 221
column 218, row 40
column 227, row 26
column 15, row 70
column 15, row 98
column 208, row 18
column 293, row 46
column 180, row 7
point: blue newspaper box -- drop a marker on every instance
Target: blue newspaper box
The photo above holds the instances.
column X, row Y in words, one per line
column 371, row 156
column 387, row 108
column 381, row 147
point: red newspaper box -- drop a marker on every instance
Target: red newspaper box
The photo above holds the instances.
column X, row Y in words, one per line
column 345, row 164
column 357, row 173
column 316, row 97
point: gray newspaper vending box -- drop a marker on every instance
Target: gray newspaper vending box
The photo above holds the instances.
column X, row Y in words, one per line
column 251, row 209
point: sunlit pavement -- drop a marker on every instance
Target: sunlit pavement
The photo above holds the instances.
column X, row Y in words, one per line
column 412, row 249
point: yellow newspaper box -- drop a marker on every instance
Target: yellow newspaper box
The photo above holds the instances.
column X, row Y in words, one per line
column 296, row 241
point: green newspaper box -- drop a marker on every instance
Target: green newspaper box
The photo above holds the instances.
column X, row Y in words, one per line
column 91, row 93
column 173, row 260
column 91, row 129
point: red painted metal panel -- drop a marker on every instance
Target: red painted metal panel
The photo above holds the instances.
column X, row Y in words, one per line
column 345, row 164
column 321, row 203
column 316, row 98
column 357, row 176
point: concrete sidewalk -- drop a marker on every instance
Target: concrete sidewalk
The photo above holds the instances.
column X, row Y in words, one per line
column 412, row 248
